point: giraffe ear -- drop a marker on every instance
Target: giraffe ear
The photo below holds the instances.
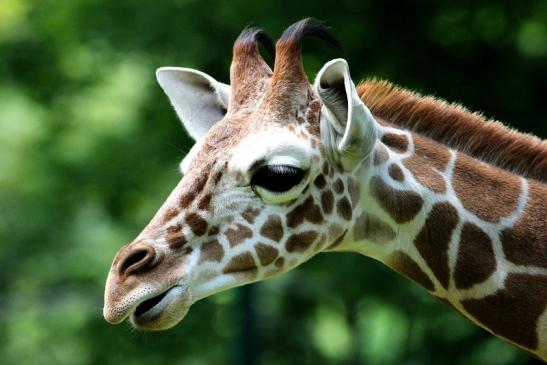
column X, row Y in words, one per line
column 348, row 127
column 199, row 100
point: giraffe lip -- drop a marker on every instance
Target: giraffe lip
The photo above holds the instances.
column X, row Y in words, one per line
column 161, row 311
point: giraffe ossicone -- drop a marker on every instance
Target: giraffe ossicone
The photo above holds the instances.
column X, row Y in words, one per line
column 282, row 170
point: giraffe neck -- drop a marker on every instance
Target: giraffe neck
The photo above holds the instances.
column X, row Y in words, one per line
column 471, row 234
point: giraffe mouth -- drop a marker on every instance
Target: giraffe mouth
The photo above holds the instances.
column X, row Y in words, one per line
column 162, row 311
column 149, row 304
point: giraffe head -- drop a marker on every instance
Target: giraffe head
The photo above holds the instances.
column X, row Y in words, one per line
column 267, row 185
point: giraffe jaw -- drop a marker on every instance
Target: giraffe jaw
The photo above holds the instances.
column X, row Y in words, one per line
column 162, row 311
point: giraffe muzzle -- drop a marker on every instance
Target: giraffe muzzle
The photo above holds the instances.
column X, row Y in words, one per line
column 148, row 287
column 147, row 309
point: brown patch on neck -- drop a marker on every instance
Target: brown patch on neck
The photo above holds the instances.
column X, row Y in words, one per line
column 308, row 210
column 370, row 227
column 486, row 191
column 396, row 172
column 344, row 209
column 457, row 128
column 396, row 142
column 339, row 186
column 238, row 234
column 404, row 264
column 169, row 214
column 428, row 157
column 174, row 236
column 266, row 253
column 186, row 199
column 197, row 224
column 513, row 312
column 320, row 181
column 433, row 239
column 272, row 228
column 211, row 251
column 476, row 260
column 526, row 242
column 195, row 187
column 401, row 205
column 327, row 201
column 241, row 263
column 204, row 203
column 300, row 241
column 250, row 214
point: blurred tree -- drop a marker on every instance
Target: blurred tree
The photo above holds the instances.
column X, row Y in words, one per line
column 89, row 150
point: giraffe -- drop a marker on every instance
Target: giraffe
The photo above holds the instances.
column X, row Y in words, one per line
column 283, row 169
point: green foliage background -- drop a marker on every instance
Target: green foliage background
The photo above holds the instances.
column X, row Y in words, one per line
column 89, row 148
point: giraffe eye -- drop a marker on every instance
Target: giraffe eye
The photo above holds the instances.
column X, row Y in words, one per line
column 277, row 178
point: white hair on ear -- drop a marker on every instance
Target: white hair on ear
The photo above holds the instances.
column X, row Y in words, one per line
column 199, row 100
column 349, row 120
column 335, row 98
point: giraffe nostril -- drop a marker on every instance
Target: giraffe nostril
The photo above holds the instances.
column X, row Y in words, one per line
column 137, row 259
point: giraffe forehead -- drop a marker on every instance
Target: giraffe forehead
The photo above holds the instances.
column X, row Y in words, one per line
column 273, row 145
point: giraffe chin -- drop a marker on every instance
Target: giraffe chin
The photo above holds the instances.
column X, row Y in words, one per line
column 163, row 311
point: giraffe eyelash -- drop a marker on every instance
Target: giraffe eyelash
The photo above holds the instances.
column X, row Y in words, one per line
column 277, row 178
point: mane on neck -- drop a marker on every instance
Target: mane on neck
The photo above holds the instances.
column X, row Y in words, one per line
column 456, row 127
